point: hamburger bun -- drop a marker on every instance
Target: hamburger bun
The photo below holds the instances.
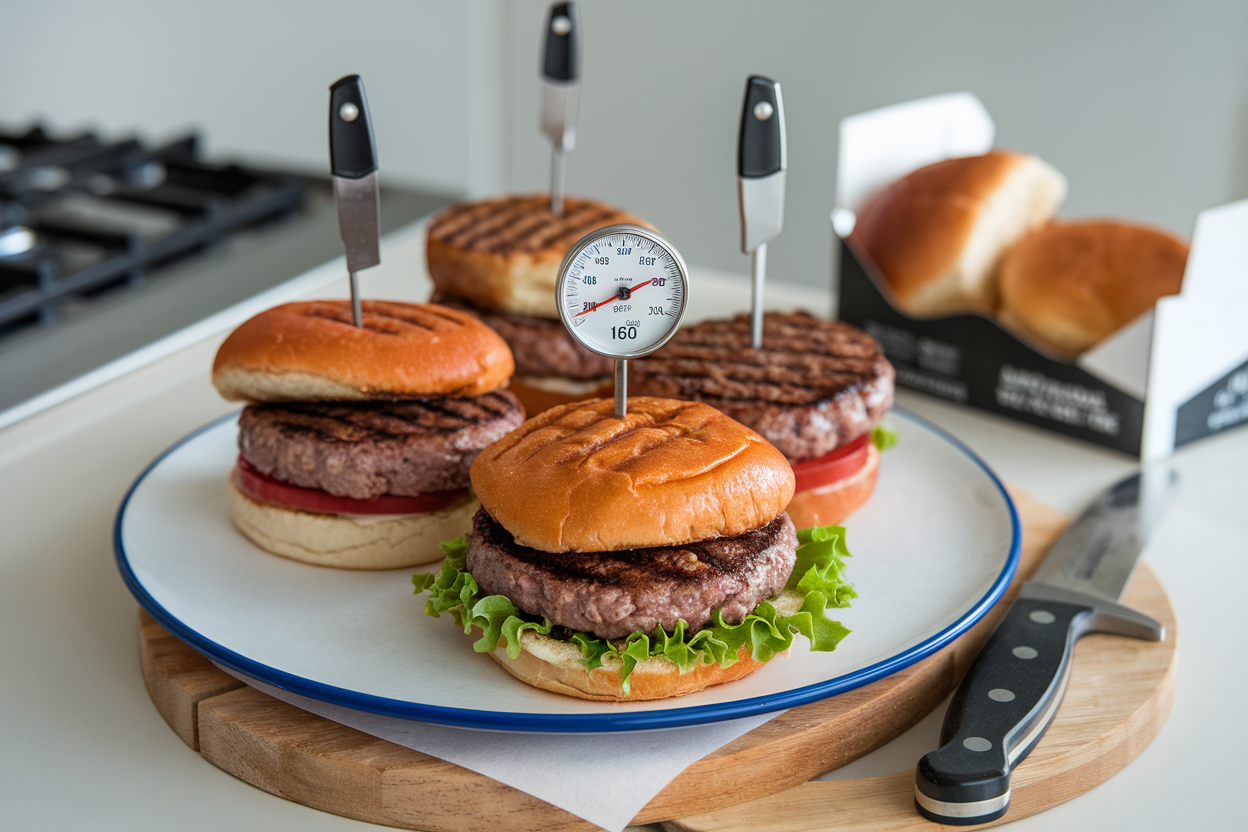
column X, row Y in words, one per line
column 383, row 542
column 830, row 504
column 558, row 666
column 1070, row 285
column 540, row 393
column 503, row 254
column 937, row 234
column 311, row 351
column 577, row 479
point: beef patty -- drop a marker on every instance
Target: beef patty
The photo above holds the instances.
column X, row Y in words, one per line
column 612, row 594
column 367, row 449
column 813, row 386
column 542, row 347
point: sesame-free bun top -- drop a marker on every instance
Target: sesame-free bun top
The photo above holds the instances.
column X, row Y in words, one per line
column 311, row 351
column 503, row 255
column 1072, row 284
column 937, row 234
column 577, row 479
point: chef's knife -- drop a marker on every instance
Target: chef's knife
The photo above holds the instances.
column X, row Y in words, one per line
column 761, row 164
column 353, row 160
column 561, row 86
column 1012, row 690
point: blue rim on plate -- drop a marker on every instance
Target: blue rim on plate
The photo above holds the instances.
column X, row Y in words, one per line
column 572, row 723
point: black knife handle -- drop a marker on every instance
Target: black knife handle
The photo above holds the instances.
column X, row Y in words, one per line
column 1008, row 699
column 760, row 146
column 561, row 61
column 352, row 152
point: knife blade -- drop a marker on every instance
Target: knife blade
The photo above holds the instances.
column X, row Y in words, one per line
column 762, row 159
column 561, row 87
column 353, row 162
column 1012, row 690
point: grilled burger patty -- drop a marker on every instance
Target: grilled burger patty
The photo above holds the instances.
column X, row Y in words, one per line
column 521, row 224
column 814, row 385
column 367, row 449
column 541, row 347
column 612, row 594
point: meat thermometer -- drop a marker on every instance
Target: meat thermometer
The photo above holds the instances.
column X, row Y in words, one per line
column 622, row 292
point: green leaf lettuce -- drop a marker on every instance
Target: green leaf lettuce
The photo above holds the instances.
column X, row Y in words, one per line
column 816, row 585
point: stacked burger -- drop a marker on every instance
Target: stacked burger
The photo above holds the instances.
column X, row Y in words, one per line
column 816, row 390
column 498, row 260
column 645, row 557
column 356, row 444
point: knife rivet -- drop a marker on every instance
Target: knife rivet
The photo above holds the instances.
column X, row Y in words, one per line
column 977, row 744
column 1001, row 695
column 1025, row 652
column 1042, row 617
column 561, row 25
column 348, row 112
column 763, row 110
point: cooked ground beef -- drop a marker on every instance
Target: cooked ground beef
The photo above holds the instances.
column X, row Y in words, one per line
column 542, row 347
column 367, row 449
column 612, row 594
column 813, row 386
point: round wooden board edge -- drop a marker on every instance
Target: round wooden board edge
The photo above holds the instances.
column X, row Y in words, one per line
column 213, row 713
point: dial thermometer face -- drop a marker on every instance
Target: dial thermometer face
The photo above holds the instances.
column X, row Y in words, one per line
column 622, row 291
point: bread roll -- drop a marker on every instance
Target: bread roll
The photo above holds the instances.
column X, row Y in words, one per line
column 577, row 479
column 1072, row 284
column 937, row 235
column 312, row 351
column 383, row 542
column 503, row 254
column 557, row 666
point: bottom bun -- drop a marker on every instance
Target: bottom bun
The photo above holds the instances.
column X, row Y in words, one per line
column 539, row 393
column 387, row 542
column 829, row 504
column 556, row 666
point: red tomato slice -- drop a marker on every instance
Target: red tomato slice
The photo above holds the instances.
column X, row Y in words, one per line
column 265, row 489
column 842, row 463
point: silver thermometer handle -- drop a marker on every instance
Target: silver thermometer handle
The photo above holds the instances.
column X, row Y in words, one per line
column 761, row 165
column 561, row 84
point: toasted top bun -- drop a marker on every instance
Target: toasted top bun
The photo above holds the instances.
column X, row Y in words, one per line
column 937, row 235
column 1072, row 284
column 503, row 254
column 312, row 351
column 577, row 479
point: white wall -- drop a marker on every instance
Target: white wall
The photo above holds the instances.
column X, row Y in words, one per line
column 254, row 75
column 1144, row 105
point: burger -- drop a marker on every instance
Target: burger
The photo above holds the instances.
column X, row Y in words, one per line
column 643, row 558
column 355, row 447
column 817, row 390
column 498, row 260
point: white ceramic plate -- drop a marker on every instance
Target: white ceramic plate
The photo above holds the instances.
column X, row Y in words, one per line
column 934, row 549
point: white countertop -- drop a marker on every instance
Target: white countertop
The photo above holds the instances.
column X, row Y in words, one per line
column 81, row 745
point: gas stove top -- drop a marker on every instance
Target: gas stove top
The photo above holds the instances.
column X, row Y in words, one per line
column 109, row 245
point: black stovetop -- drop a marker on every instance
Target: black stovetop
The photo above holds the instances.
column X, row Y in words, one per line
column 109, row 245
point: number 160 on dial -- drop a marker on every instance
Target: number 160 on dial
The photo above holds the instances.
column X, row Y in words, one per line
column 622, row 291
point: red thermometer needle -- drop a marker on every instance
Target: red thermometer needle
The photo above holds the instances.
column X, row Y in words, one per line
column 617, row 296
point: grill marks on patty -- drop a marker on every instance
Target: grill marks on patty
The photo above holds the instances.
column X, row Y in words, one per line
column 813, row 386
column 612, row 594
column 520, row 223
column 367, row 449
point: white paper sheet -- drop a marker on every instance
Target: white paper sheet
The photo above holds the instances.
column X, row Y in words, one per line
column 572, row 767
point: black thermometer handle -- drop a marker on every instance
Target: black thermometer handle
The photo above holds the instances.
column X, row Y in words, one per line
column 352, row 152
column 561, row 61
column 760, row 147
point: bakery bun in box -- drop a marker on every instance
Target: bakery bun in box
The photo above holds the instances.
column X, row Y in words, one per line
column 937, row 235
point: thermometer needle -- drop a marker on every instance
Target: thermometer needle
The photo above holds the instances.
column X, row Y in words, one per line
column 624, row 294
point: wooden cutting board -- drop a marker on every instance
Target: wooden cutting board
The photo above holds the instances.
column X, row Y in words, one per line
column 1119, row 696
